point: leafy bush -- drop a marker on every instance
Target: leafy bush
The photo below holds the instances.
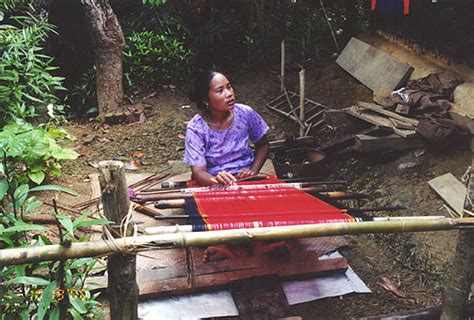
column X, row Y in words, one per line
column 41, row 290
column 32, row 152
column 153, row 59
column 26, row 83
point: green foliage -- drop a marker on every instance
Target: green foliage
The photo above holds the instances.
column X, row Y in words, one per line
column 154, row 2
column 29, row 291
column 39, row 290
column 32, row 153
column 27, row 85
column 154, row 59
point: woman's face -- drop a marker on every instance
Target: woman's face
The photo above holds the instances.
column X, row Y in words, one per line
column 221, row 94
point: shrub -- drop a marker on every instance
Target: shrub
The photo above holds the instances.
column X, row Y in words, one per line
column 154, row 59
column 32, row 152
column 26, row 83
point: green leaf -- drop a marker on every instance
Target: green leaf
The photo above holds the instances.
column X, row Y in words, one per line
column 32, row 203
column 64, row 154
column 28, row 281
column 22, row 228
column 7, row 240
column 67, row 224
column 78, row 304
column 20, row 194
column 3, row 187
column 37, row 177
column 54, row 188
column 82, row 262
column 93, row 222
column 75, row 315
column 54, row 315
column 46, row 299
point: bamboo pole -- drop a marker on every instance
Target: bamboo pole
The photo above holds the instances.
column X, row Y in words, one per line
column 37, row 254
column 122, row 289
column 458, row 288
column 189, row 227
column 282, row 66
column 330, row 27
column 302, row 100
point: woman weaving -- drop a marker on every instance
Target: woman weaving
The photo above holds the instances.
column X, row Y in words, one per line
column 217, row 145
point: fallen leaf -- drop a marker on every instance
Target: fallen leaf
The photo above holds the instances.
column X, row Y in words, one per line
column 85, row 153
column 138, row 154
column 181, row 136
column 133, row 165
column 103, row 139
column 389, row 285
column 142, row 118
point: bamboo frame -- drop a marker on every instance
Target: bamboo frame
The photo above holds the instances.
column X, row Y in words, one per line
column 37, row 254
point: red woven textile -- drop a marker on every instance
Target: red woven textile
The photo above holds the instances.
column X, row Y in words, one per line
column 264, row 207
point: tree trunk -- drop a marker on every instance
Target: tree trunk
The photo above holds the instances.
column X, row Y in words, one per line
column 108, row 40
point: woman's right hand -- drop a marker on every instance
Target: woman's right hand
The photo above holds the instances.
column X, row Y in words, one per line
column 224, row 178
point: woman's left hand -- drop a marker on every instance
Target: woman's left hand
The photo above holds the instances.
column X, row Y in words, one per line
column 245, row 173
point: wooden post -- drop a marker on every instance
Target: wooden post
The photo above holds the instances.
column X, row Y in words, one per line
column 302, row 128
column 282, row 66
column 122, row 289
column 457, row 291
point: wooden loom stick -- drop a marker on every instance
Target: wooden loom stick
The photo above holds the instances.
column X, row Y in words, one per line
column 180, row 195
column 291, row 182
column 179, row 202
column 349, row 210
column 34, row 254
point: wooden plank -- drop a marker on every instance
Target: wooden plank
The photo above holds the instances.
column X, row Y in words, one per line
column 378, row 120
column 401, row 125
column 367, row 143
column 244, row 263
column 203, row 282
column 174, row 280
column 260, row 298
column 373, row 67
column 451, row 190
column 379, row 109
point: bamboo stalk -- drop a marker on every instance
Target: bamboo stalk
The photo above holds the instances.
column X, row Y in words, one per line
column 189, row 228
column 282, row 66
column 302, row 101
column 36, row 254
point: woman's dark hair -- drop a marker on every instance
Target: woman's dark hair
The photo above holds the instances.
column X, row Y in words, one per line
column 200, row 90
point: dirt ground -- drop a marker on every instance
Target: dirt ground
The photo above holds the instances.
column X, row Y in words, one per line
column 418, row 264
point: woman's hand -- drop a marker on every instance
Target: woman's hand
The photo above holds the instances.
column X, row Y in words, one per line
column 245, row 173
column 224, row 178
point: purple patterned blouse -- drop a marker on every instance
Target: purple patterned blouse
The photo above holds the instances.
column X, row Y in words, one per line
column 224, row 150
